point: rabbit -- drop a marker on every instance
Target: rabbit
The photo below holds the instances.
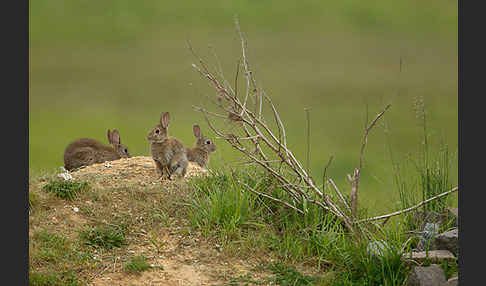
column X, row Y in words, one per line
column 87, row 151
column 200, row 152
column 167, row 152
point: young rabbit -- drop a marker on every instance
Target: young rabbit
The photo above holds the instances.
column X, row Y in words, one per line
column 200, row 152
column 87, row 151
column 167, row 152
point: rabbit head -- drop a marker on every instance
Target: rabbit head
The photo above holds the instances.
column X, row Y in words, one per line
column 114, row 139
column 202, row 142
column 160, row 132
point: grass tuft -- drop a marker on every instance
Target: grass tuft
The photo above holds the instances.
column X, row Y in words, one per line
column 65, row 189
column 53, row 279
column 288, row 276
column 137, row 264
column 107, row 237
column 51, row 247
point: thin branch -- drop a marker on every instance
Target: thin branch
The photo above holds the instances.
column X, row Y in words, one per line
column 236, row 77
column 365, row 137
column 341, row 197
column 354, row 180
column 410, row 208
column 324, row 173
column 259, row 143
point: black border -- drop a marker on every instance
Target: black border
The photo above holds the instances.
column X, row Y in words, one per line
column 470, row 85
column 14, row 23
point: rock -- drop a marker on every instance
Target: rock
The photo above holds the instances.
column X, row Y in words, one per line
column 448, row 240
column 426, row 241
column 432, row 275
column 433, row 255
column 454, row 281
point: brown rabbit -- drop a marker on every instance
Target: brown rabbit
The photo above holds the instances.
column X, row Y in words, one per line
column 200, row 152
column 87, row 151
column 167, row 152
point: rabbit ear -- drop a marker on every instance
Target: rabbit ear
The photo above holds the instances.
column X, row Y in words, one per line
column 109, row 136
column 115, row 137
column 197, row 131
column 165, row 119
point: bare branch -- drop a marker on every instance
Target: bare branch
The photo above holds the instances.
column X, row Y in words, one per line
column 410, row 208
column 354, row 180
column 341, row 197
column 258, row 142
column 325, row 170
column 365, row 137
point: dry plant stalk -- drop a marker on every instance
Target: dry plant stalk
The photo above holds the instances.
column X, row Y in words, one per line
column 249, row 133
column 354, row 180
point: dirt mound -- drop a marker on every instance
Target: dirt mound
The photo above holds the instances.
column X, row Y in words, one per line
column 138, row 170
column 129, row 192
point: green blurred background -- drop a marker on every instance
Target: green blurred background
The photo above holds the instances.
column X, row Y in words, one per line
column 96, row 65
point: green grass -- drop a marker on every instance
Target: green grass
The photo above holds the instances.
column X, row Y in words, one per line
column 288, row 276
column 137, row 264
column 52, row 247
column 52, row 258
column 220, row 203
column 53, row 279
column 103, row 237
column 224, row 210
column 65, row 189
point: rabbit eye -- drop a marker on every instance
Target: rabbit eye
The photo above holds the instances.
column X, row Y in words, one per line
column 157, row 131
column 208, row 142
column 126, row 150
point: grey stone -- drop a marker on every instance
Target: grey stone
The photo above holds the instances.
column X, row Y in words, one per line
column 432, row 275
column 426, row 241
column 433, row 255
column 448, row 240
column 454, row 281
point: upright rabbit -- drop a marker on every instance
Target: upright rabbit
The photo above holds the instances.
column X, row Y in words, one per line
column 87, row 151
column 200, row 152
column 167, row 152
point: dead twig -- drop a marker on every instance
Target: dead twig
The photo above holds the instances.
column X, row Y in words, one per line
column 410, row 208
column 354, row 179
column 341, row 197
column 260, row 143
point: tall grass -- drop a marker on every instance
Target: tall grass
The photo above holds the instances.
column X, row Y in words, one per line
column 220, row 203
column 433, row 172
